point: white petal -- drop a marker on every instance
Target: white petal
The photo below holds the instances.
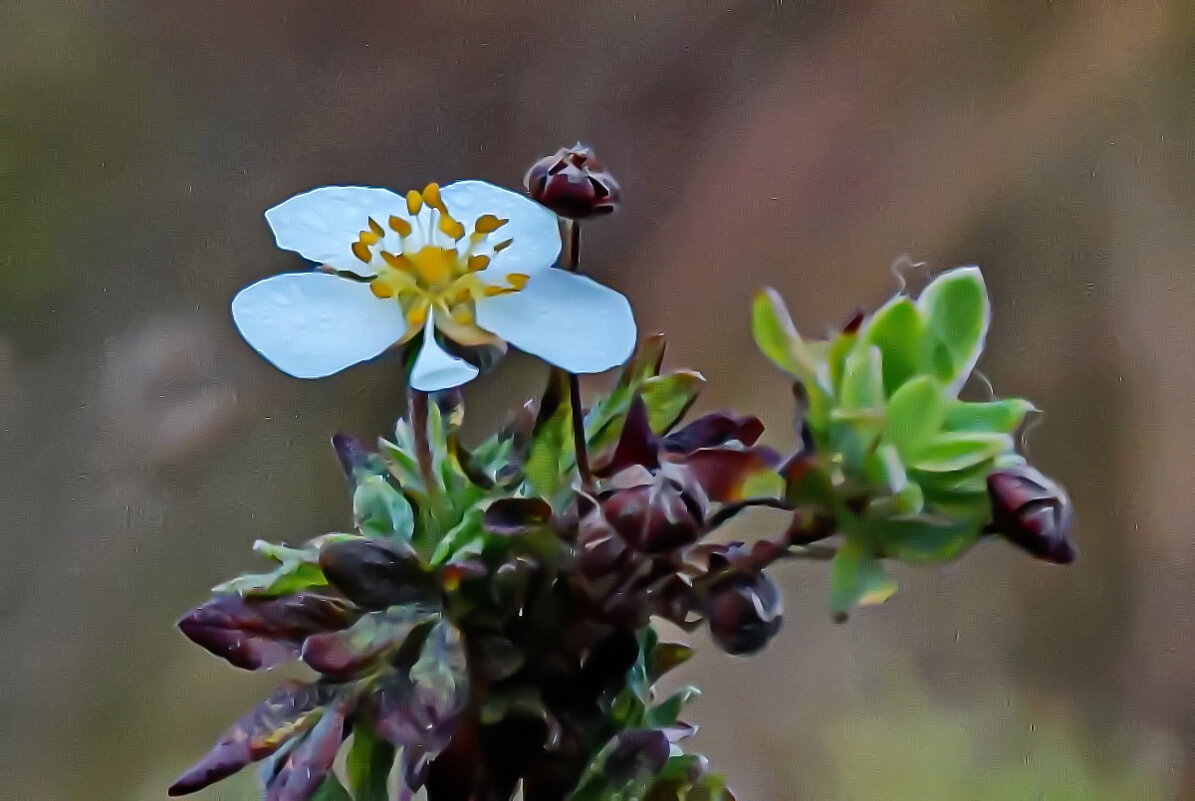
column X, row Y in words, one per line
column 314, row 324
column 321, row 225
column 565, row 319
column 436, row 368
column 533, row 228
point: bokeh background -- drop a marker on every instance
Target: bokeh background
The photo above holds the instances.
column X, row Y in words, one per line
column 821, row 147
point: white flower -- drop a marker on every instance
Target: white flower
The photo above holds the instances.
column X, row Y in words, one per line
column 471, row 261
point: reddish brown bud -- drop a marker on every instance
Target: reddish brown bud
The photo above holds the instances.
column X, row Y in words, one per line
column 1032, row 512
column 744, row 612
column 573, row 183
column 654, row 518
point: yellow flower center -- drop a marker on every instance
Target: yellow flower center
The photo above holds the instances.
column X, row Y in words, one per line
column 430, row 263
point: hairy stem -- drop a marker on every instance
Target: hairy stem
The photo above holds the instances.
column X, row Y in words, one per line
column 570, row 234
column 417, row 403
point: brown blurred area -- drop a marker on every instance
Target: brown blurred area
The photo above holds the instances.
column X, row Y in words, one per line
column 819, row 147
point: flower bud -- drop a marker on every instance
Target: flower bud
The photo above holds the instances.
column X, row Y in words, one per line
column 573, row 183
column 744, row 612
column 654, row 518
column 1032, row 512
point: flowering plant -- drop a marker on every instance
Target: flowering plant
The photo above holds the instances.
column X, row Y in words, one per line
column 486, row 626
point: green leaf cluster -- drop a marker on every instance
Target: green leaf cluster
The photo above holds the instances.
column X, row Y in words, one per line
column 898, row 460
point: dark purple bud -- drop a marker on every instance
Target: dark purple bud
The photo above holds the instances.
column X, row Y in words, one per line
column 290, row 711
column 573, row 183
column 514, row 516
column 637, row 753
column 655, row 518
column 376, row 574
column 744, row 612
column 1032, row 512
column 261, row 633
column 600, row 550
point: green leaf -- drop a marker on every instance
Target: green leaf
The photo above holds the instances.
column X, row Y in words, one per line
column 667, row 711
column 381, row 510
column 551, row 453
column 602, row 421
column 332, row 790
column 467, row 535
column 777, row 337
column 897, row 329
column 667, row 656
column 298, row 569
column 925, row 539
column 957, row 313
column 915, row 414
column 370, row 759
column 863, row 380
column 958, row 451
column 857, row 577
column 1003, row 416
column 669, row 396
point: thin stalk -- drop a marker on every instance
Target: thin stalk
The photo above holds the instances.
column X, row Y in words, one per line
column 570, row 253
column 417, row 409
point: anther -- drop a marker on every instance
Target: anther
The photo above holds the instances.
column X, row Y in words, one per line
column 451, row 227
column 478, row 263
column 381, row 290
column 503, row 245
column 518, row 280
column 488, row 224
column 361, row 251
column 398, row 262
column 400, row 226
column 414, row 202
column 431, row 195
column 377, row 229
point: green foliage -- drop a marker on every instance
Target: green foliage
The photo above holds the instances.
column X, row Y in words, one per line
column 891, row 437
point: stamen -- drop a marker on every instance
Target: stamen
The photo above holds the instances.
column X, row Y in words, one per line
column 378, row 230
column 503, row 245
column 370, row 238
column 398, row 262
column 380, row 289
column 488, row 224
column 451, row 227
column 400, row 226
column 417, row 315
column 476, row 264
column 431, row 195
column 361, row 251
column 414, row 202
column 518, row 280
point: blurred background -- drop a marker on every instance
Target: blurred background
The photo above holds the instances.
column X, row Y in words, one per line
column 807, row 144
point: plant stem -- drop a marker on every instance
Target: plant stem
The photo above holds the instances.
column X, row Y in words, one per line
column 570, row 253
column 417, row 409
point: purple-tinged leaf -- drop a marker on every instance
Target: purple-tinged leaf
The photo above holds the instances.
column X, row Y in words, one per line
column 356, row 458
column 306, row 767
column 722, row 472
column 343, row 654
column 637, row 444
column 714, row 430
column 261, row 633
column 290, row 711
column 418, row 706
